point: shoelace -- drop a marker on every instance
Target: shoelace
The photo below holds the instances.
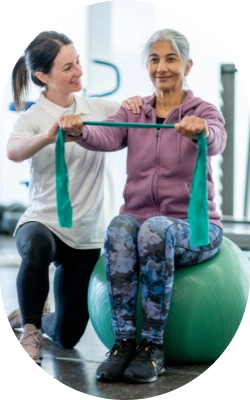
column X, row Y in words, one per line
column 142, row 353
column 30, row 338
column 118, row 349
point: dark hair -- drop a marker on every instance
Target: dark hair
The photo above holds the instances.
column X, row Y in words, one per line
column 38, row 56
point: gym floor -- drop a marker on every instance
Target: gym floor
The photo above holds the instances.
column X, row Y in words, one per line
column 76, row 368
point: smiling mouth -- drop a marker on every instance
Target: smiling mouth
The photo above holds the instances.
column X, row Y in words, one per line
column 163, row 77
column 76, row 82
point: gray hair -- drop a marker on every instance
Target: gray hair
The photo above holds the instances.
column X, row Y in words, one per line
column 178, row 41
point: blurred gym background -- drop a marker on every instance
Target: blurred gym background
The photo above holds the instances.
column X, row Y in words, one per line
column 109, row 35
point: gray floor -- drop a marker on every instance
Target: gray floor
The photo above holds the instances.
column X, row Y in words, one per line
column 76, row 368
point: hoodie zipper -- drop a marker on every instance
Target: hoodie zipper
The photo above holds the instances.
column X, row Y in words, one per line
column 155, row 177
column 154, row 186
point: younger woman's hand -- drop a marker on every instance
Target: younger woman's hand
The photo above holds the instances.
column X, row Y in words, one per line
column 51, row 135
column 133, row 104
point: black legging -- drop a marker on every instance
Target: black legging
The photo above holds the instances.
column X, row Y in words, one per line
column 38, row 247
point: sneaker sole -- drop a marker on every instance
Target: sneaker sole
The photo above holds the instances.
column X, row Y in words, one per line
column 109, row 380
column 39, row 358
column 131, row 379
column 38, row 361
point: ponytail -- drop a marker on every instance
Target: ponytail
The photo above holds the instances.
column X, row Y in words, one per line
column 20, row 83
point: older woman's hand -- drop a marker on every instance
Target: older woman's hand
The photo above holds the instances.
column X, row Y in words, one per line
column 72, row 125
column 192, row 126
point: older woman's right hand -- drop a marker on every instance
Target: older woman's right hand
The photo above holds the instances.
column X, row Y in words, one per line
column 71, row 124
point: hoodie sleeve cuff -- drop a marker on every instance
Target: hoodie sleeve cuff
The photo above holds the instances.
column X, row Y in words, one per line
column 210, row 138
column 84, row 133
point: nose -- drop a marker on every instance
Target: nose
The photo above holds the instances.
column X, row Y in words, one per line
column 162, row 66
column 79, row 70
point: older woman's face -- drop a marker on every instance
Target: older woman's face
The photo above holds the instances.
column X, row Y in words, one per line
column 165, row 67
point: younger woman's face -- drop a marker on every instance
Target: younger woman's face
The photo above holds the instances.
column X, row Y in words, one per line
column 65, row 75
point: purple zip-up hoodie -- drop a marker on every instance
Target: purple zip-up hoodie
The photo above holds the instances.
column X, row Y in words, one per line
column 160, row 163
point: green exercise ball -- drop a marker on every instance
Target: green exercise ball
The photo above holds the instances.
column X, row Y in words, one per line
column 207, row 305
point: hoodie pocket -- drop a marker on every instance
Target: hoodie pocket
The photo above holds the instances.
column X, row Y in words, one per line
column 173, row 196
column 137, row 195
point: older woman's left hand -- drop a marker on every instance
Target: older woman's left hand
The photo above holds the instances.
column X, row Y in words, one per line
column 192, row 126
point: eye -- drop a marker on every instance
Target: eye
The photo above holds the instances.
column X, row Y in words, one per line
column 68, row 68
column 153, row 60
column 171, row 59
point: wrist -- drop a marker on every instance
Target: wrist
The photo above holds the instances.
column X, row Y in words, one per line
column 46, row 139
column 206, row 132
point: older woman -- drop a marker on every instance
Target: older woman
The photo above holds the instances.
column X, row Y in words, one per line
column 151, row 235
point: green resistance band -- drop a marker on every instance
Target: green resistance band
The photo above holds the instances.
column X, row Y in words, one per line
column 64, row 208
column 198, row 204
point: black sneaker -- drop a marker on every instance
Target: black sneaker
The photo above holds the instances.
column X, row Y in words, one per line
column 119, row 358
column 147, row 364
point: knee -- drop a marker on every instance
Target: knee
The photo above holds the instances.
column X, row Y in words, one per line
column 121, row 226
column 151, row 228
column 68, row 340
column 37, row 248
column 152, row 235
column 154, row 228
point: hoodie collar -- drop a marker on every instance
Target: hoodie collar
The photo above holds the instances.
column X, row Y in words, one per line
column 56, row 111
column 189, row 101
column 149, row 102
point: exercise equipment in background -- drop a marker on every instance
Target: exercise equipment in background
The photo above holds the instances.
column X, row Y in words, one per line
column 207, row 306
column 237, row 230
column 9, row 216
column 117, row 79
column 247, row 183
